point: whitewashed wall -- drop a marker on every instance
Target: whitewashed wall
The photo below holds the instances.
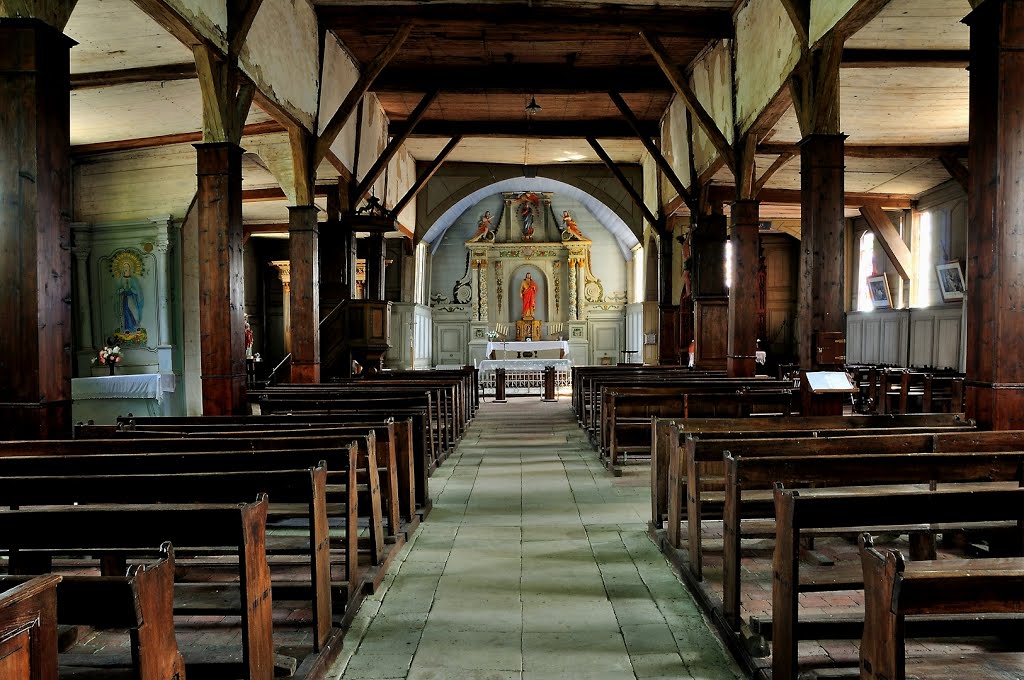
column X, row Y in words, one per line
column 635, row 332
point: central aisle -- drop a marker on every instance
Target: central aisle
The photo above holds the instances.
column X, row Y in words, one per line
column 534, row 564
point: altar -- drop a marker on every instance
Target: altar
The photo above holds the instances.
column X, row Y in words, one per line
column 103, row 398
column 539, row 349
column 525, row 376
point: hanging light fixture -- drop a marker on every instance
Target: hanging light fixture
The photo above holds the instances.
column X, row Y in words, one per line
column 533, row 107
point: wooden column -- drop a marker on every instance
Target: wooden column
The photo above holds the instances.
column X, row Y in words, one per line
column 35, row 205
column 743, row 294
column 820, row 306
column 375, row 252
column 711, row 306
column 665, row 267
column 303, row 243
column 995, row 302
column 221, row 290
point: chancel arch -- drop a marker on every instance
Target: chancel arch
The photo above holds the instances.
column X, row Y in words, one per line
column 576, row 250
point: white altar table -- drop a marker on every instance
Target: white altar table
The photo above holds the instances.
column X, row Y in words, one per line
column 526, row 350
column 103, row 398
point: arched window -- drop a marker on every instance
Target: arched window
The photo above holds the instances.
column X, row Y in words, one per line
column 865, row 268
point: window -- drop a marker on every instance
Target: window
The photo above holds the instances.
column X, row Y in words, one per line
column 865, row 268
column 420, row 278
column 728, row 264
column 924, row 261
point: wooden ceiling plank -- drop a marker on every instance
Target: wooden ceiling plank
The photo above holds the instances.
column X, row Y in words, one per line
column 681, row 84
column 355, row 95
column 132, row 76
column 422, row 180
column 652, row 148
column 265, row 128
column 956, row 170
column 381, row 164
column 889, row 238
column 638, row 200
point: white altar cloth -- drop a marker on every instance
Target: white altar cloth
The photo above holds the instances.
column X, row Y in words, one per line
column 535, row 346
column 103, row 398
column 139, row 386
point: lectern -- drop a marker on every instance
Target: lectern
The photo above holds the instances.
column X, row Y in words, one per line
column 824, row 393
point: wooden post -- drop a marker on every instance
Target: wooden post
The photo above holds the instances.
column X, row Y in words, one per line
column 995, row 327
column 499, row 386
column 221, row 298
column 549, row 383
column 743, row 294
column 303, row 235
column 35, row 259
column 375, row 266
column 820, row 306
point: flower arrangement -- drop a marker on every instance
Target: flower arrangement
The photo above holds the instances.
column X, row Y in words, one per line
column 492, row 335
column 109, row 355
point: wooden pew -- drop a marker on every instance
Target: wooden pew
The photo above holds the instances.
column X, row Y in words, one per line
column 798, row 514
column 758, row 475
column 627, row 411
column 140, row 601
column 411, row 433
column 170, row 456
column 28, row 630
column 87, row 529
column 304, row 488
column 698, row 444
column 895, row 589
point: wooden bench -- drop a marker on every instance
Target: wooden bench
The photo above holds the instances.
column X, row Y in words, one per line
column 798, row 514
column 411, row 433
column 99, row 529
column 28, row 630
column 749, row 484
column 694, row 460
column 307, row 489
column 627, row 411
column 588, row 381
column 669, row 442
column 895, row 589
column 141, row 601
column 210, row 455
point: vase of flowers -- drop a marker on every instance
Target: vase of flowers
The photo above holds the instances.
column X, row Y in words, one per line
column 109, row 356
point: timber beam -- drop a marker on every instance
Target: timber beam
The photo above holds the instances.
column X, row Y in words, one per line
column 522, row 79
column 956, row 170
column 877, row 151
column 652, row 148
column 906, row 58
column 550, row 18
column 681, row 84
column 131, row 76
column 348, row 106
column 422, row 180
column 889, row 238
column 277, row 193
column 381, row 164
column 725, row 193
column 564, row 129
column 777, row 165
column 638, row 200
column 265, row 128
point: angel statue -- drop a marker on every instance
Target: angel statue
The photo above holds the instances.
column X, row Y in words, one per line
column 570, row 232
column 483, row 229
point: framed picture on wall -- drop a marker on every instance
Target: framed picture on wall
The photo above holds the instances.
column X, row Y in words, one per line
column 878, row 288
column 951, row 281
